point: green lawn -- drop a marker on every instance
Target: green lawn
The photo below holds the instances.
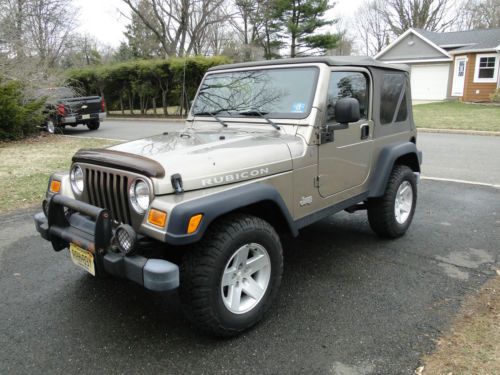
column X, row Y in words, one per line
column 456, row 115
column 26, row 167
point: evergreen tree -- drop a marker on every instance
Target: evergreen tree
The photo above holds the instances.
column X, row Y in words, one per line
column 300, row 19
column 123, row 53
column 141, row 39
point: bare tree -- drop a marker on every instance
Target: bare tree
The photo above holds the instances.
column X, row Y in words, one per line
column 178, row 24
column 372, row 29
column 204, row 16
column 51, row 23
column 212, row 39
column 34, row 35
column 13, row 14
column 257, row 29
column 478, row 14
column 432, row 15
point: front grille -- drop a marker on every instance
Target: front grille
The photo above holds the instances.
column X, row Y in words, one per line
column 108, row 190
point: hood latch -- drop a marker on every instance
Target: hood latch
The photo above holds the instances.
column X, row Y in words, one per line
column 176, row 180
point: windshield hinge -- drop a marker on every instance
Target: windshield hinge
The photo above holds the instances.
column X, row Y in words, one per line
column 317, row 181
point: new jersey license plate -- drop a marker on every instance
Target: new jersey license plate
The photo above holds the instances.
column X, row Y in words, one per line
column 82, row 258
column 85, row 117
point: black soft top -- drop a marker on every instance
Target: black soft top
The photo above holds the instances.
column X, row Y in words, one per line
column 363, row 61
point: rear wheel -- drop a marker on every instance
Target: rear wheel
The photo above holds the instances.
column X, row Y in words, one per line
column 50, row 127
column 230, row 279
column 93, row 125
column 390, row 215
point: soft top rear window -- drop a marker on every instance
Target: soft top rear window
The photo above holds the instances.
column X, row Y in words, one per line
column 393, row 94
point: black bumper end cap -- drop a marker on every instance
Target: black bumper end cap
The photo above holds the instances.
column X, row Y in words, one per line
column 42, row 225
column 154, row 274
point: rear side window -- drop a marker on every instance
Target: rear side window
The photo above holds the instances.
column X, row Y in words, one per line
column 347, row 85
column 393, row 99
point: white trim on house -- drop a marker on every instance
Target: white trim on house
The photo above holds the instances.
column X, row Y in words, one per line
column 391, row 45
column 456, row 45
column 417, row 61
column 495, row 68
column 479, row 50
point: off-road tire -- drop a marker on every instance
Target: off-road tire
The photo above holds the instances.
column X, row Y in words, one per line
column 381, row 211
column 93, row 125
column 202, row 268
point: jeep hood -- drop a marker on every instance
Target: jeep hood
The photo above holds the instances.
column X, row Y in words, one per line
column 210, row 158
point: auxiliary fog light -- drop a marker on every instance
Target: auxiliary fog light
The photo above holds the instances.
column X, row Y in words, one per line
column 126, row 239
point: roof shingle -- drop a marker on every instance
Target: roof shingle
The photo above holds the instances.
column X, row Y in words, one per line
column 473, row 40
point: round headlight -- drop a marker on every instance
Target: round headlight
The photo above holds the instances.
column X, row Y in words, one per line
column 140, row 195
column 76, row 178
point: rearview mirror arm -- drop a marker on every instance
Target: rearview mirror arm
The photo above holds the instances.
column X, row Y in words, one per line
column 326, row 134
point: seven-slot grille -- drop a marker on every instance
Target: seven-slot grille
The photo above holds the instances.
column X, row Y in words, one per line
column 108, row 190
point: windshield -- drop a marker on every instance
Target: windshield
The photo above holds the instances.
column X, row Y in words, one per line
column 278, row 93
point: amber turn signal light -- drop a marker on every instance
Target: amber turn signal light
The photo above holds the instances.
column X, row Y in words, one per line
column 157, row 217
column 55, row 186
column 194, row 223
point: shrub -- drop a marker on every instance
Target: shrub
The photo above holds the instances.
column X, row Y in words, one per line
column 144, row 83
column 19, row 116
column 495, row 97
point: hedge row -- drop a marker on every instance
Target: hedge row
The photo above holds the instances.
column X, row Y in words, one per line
column 144, row 84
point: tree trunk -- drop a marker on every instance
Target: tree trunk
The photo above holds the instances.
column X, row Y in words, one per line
column 164, row 102
column 131, row 103
column 121, row 104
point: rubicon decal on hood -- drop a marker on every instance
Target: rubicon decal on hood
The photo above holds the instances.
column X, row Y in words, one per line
column 234, row 177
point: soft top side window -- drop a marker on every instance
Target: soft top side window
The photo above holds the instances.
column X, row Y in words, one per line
column 393, row 99
column 347, row 85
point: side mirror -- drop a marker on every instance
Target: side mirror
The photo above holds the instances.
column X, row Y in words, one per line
column 347, row 110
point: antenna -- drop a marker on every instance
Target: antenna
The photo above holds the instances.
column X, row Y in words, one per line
column 184, row 97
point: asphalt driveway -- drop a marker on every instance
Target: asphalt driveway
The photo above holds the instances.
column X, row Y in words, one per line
column 350, row 303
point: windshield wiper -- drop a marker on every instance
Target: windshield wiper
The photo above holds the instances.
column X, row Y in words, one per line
column 213, row 114
column 256, row 112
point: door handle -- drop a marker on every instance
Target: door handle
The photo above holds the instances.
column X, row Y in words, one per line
column 365, row 131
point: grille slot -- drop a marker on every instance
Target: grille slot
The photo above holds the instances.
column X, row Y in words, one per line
column 108, row 190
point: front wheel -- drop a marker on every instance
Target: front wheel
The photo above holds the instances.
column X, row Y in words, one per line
column 390, row 215
column 230, row 279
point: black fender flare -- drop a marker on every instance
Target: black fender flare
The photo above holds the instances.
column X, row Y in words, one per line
column 218, row 204
column 387, row 157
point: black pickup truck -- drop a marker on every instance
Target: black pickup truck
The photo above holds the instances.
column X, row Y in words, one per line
column 65, row 108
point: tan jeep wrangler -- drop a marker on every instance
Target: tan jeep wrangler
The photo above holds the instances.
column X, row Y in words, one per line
column 268, row 148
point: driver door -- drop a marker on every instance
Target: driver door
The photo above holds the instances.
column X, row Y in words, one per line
column 344, row 162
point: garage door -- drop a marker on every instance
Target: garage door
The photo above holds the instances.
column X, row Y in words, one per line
column 429, row 82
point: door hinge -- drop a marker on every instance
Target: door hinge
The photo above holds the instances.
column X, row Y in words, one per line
column 316, row 181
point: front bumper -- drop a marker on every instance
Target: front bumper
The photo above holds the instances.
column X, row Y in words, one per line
column 71, row 221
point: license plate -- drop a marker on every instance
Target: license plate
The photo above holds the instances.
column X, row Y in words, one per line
column 82, row 258
column 85, row 117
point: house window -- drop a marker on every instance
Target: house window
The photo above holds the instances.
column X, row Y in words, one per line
column 486, row 68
